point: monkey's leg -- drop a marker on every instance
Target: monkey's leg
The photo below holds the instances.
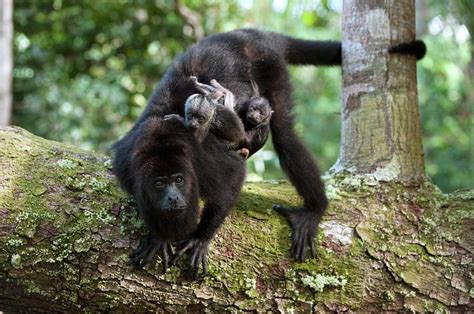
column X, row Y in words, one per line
column 228, row 127
column 204, row 89
column 147, row 249
column 229, row 98
column 214, row 214
column 297, row 162
column 173, row 118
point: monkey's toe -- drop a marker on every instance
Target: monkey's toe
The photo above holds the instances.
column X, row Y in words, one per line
column 244, row 152
column 303, row 226
column 146, row 251
column 197, row 250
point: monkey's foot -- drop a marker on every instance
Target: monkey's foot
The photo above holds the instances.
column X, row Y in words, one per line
column 244, row 152
column 197, row 249
column 303, row 224
column 147, row 249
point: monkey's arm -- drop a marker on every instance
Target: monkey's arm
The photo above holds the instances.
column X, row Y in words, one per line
column 214, row 213
column 198, row 246
column 296, row 161
column 229, row 98
column 228, row 127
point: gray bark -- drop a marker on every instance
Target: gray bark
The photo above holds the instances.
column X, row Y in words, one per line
column 66, row 230
column 380, row 118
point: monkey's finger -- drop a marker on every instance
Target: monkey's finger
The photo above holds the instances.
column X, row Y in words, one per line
column 204, row 264
column 311, row 246
column 165, row 259
column 301, row 247
column 216, row 96
column 217, row 85
column 194, row 265
column 149, row 256
column 181, row 252
column 134, row 262
column 294, row 242
column 194, row 259
column 134, row 253
column 205, row 89
column 302, row 252
column 138, row 255
column 141, row 247
column 170, row 249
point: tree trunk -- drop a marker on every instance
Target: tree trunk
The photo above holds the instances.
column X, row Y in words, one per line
column 6, row 60
column 380, row 119
column 66, row 230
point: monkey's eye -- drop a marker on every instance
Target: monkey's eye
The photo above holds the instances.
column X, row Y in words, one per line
column 201, row 120
column 160, row 184
column 179, row 180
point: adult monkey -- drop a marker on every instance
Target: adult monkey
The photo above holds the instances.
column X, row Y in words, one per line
column 234, row 59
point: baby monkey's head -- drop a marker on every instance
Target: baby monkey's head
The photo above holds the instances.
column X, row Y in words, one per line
column 199, row 111
column 259, row 111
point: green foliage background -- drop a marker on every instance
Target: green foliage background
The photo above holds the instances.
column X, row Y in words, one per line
column 83, row 71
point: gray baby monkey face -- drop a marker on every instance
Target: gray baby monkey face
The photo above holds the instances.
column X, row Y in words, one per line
column 198, row 111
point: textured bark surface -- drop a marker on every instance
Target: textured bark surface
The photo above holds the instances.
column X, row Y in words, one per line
column 66, row 230
column 6, row 60
column 380, row 120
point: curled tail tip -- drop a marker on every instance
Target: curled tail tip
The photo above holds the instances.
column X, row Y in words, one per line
column 416, row 48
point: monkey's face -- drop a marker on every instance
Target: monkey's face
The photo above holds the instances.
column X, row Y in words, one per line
column 199, row 111
column 168, row 185
column 259, row 111
column 171, row 192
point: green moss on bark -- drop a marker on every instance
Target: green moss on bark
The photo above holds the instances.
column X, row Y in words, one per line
column 66, row 230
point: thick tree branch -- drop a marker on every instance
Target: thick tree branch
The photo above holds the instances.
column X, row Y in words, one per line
column 66, row 230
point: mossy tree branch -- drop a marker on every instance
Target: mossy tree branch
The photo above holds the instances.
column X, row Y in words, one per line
column 66, row 230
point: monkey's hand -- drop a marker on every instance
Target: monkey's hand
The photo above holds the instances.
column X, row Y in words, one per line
column 147, row 249
column 303, row 229
column 197, row 249
column 221, row 91
column 173, row 118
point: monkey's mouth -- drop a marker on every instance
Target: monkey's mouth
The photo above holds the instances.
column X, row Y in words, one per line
column 254, row 119
column 192, row 124
column 173, row 209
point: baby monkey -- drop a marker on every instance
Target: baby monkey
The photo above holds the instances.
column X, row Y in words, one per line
column 201, row 109
column 212, row 110
column 257, row 110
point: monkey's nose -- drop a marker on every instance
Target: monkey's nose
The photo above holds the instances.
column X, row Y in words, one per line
column 173, row 201
column 173, row 198
column 193, row 124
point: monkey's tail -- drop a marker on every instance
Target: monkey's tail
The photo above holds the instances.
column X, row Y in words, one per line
column 314, row 52
column 416, row 48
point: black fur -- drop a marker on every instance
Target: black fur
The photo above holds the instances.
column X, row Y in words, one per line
column 416, row 48
column 234, row 59
column 166, row 147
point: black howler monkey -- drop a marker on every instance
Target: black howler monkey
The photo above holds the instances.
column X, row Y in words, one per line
column 229, row 58
column 172, row 170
